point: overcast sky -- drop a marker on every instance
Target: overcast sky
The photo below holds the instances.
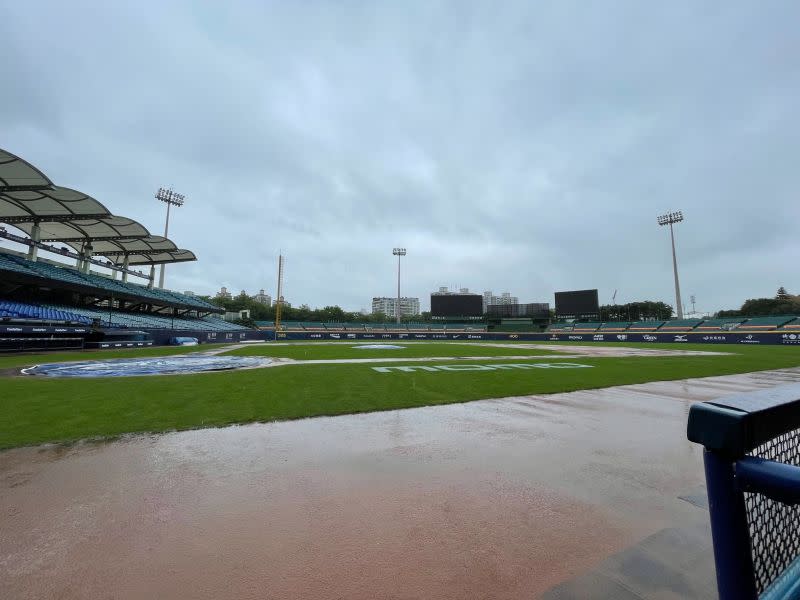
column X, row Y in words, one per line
column 513, row 146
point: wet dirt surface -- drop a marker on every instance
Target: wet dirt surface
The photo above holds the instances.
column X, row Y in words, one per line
column 490, row 499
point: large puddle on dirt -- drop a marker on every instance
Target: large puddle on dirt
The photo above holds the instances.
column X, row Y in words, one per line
column 491, row 499
column 163, row 365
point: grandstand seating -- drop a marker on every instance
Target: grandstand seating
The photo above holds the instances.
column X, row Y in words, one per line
column 719, row 324
column 765, row 323
column 680, row 325
column 20, row 310
column 105, row 285
column 559, row 327
column 615, row 326
column 112, row 319
column 793, row 325
column 141, row 320
column 645, row 325
column 585, row 327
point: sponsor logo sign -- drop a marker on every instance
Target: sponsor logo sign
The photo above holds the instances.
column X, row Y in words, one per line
column 496, row 367
column 681, row 338
column 554, row 338
column 714, row 338
column 474, row 337
column 649, row 338
column 351, row 336
column 749, row 339
column 790, row 338
column 421, row 336
column 575, row 337
column 335, row 336
column 513, row 336
column 313, row 335
column 598, row 337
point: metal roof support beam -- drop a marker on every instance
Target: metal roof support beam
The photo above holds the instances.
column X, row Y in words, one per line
column 33, row 249
column 125, row 270
column 152, row 277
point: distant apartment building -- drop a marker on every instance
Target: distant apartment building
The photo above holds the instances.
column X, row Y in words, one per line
column 444, row 291
column 224, row 294
column 388, row 306
column 263, row 298
column 504, row 298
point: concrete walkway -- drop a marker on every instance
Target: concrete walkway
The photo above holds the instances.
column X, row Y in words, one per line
column 591, row 494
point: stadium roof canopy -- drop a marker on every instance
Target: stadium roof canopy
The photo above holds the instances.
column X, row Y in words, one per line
column 48, row 205
column 19, row 175
column 152, row 244
column 79, row 230
column 158, row 258
column 28, row 198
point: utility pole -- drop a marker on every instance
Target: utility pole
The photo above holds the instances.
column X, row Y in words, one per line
column 279, row 299
column 670, row 219
column 398, row 252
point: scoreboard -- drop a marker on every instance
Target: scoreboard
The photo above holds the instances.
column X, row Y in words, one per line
column 456, row 305
column 578, row 304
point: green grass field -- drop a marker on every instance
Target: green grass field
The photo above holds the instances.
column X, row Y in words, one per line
column 35, row 410
column 337, row 350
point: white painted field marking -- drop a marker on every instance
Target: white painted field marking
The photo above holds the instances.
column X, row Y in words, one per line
column 412, row 369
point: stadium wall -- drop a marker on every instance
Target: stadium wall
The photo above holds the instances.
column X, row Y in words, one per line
column 767, row 338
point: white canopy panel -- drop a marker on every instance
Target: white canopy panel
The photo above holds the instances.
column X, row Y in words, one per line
column 18, row 174
column 56, row 204
column 79, row 230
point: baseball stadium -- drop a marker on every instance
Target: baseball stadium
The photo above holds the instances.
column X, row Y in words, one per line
column 499, row 456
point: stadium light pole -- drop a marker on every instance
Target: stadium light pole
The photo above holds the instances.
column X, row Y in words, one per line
column 670, row 219
column 398, row 252
column 170, row 198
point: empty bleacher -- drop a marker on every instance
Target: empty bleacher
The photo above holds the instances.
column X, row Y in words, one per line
column 644, row 326
column 141, row 320
column 586, row 327
column 104, row 285
column 719, row 324
column 24, row 311
column 793, row 325
column 765, row 323
column 680, row 325
column 615, row 326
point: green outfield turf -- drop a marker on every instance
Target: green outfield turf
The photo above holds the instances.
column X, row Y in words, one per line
column 35, row 410
column 336, row 350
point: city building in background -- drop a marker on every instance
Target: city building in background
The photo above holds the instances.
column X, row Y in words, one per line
column 388, row 306
column 224, row 294
column 263, row 298
column 505, row 298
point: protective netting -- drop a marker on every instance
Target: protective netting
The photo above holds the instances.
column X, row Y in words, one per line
column 774, row 526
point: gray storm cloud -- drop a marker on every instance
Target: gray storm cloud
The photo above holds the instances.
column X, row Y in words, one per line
column 516, row 146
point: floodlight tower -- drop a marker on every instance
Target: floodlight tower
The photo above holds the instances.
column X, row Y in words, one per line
column 170, row 198
column 670, row 219
column 398, row 252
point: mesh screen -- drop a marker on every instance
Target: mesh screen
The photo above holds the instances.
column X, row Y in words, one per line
column 774, row 527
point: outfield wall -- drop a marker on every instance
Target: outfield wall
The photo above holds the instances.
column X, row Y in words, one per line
column 771, row 338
